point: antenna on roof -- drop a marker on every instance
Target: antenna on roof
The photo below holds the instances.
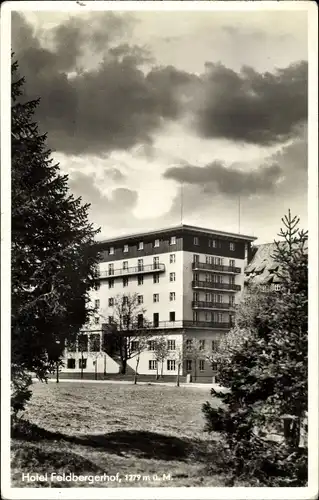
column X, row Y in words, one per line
column 239, row 214
column 181, row 187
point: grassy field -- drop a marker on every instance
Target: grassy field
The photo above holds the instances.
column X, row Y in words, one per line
column 92, row 429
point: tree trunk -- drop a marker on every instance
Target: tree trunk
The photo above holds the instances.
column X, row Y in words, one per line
column 157, row 375
column 135, row 374
column 162, row 368
column 178, row 372
column 123, row 366
column 195, row 370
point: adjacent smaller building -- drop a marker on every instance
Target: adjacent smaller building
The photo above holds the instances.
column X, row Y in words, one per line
column 261, row 270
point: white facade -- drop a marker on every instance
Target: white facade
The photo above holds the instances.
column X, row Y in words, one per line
column 188, row 294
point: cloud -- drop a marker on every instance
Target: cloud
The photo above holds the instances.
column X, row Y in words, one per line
column 106, row 209
column 112, row 106
column 251, row 107
column 216, row 177
column 108, row 95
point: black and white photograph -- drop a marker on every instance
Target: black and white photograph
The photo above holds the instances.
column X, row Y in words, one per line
column 159, row 209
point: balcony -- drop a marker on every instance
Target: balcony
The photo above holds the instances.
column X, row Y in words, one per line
column 130, row 271
column 198, row 304
column 211, row 285
column 202, row 266
column 166, row 325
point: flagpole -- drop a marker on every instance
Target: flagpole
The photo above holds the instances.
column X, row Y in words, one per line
column 181, row 203
column 239, row 214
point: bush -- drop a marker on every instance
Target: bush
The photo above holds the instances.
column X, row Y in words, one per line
column 20, row 389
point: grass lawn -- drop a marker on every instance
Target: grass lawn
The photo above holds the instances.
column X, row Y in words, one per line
column 92, row 429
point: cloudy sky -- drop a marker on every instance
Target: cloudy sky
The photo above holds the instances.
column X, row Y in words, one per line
column 137, row 104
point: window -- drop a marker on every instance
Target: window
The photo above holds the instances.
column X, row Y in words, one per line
column 155, row 297
column 208, row 297
column 71, row 363
column 111, row 251
column 156, row 243
column 140, row 265
column 214, row 367
column 111, row 283
column 155, row 319
column 277, row 287
column 231, row 300
column 172, row 258
column 140, row 280
column 155, row 278
column 96, row 320
column 97, row 304
column 231, row 263
column 195, row 316
column 111, row 302
column 232, row 280
column 83, row 343
column 71, row 345
column 209, row 243
column 173, row 240
column 172, row 296
column 171, row 345
column 172, row 276
column 156, row 262
column 195, row 296
column 196, row 258
column 214, row 345
column 152, row 364
column 140, row 299
column 188, row 365
column 209, row 259
column 202, row 345
column 189, row 343
column 140, row 321
column 196, row 240
column 171, row 364
column 214, row 243
column 111, row 320
column 232, row 246
column 218, row 318
column 125, row 264
column 95, row 342
column 201, row 365
column 141, row 245
column 125, row 281
column 134, row 345
column 82, row 363
column 172, row 316
column 125, row 248
column 151, row 345
column 126, row 321
column 195, row 276
column 111, row 269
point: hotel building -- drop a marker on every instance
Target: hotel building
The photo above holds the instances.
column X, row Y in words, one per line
column 188, row 280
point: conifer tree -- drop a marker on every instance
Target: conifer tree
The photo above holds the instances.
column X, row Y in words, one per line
column 263, row 362
column 53, row 256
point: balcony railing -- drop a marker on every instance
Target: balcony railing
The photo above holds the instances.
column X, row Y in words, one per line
column 198, row 304
column 158, row 325
column 216, row 268
column 129, row 271
column 216, row 286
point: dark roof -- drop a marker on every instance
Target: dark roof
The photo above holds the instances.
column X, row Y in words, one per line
column 178, row 229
